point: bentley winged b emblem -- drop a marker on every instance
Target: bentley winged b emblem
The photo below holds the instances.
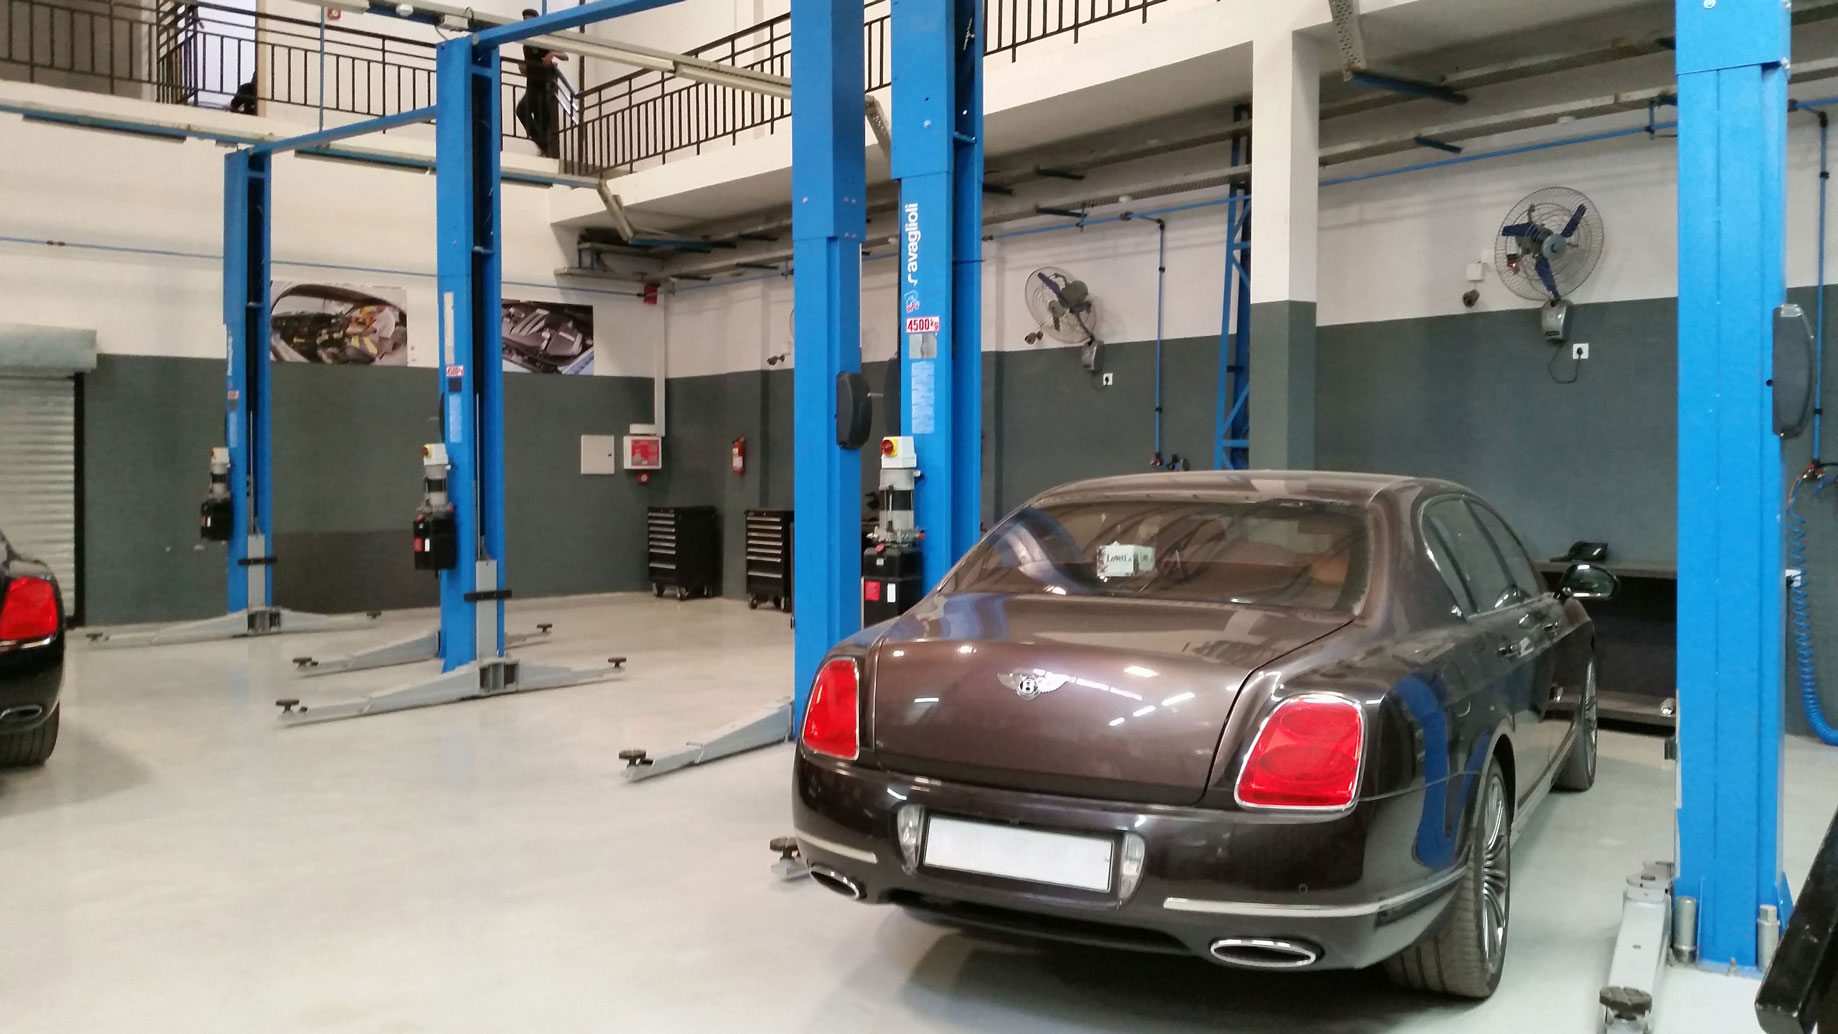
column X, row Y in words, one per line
column 1030, row 684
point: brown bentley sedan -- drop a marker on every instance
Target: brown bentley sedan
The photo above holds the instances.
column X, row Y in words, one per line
column 1280, row 720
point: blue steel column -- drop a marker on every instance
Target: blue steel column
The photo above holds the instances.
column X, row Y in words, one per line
column 828, row 185
column 928, row 139
column 467, row 265
column 1732, row 105
column 967, row 284
column 247, row 230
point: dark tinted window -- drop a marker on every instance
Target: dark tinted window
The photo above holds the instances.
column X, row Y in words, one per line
column 1476, row 561
column 1280, row 553
column 1524, row 575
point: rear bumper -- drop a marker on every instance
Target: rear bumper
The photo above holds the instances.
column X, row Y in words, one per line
column 1347, row 887
column 30, row 680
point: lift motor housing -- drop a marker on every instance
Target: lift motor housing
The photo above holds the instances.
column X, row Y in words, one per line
column 214, row 514
column 436, row 528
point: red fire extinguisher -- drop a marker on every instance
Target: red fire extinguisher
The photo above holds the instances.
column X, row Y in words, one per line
column 737, row 456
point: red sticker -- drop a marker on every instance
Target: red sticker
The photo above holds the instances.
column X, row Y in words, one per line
column 871, row 591
column 456, row 371
column 922, row 324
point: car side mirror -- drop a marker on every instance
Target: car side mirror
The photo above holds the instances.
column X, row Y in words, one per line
column 1588, row 582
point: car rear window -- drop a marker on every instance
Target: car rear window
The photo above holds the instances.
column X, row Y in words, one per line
column 1296, row 553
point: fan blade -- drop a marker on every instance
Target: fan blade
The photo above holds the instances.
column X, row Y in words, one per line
column 1518, row 230
column 1576, row 220
column 1544, row 273
column 1051, row 286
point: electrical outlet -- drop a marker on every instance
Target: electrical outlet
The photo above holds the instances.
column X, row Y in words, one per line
column 1107, row 379
column 1579, row 350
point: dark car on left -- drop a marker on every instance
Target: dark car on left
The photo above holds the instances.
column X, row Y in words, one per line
column 31, row 658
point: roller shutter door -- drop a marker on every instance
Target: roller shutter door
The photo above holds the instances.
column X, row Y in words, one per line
column 38, row 473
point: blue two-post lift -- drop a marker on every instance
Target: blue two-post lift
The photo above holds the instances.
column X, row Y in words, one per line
column 937, row 157
column 468, row 182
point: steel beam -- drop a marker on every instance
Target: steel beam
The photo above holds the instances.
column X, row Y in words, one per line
column 829, row 195
column 1732, row 109
column 559, row 21
column 336, row 133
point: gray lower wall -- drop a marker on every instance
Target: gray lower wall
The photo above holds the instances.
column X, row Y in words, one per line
column 1470, row 397
column 348, row 477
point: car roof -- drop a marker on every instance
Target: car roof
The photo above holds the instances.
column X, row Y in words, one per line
column 1323, row 485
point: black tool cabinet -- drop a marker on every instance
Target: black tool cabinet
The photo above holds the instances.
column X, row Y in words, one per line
column 769, row 558
column 683, row 550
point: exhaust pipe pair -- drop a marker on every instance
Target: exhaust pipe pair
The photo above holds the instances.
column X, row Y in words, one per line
column 21, row 713
column 837, row 882
column 1265, row 953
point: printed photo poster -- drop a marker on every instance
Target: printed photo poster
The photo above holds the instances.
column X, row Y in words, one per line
column 339, row 324
column 548, row 337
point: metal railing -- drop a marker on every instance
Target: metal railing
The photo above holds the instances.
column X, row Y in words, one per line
column 651, row 116
column 209, row 55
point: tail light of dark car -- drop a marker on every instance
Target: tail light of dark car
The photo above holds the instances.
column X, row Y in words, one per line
column 1306, row 756
column 832, row 716
column 28, row 611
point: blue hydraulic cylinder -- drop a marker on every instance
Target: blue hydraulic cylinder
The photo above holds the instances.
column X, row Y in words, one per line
column 1732, row 104
column 249, row 406
column 943, row 399
column 829, row 188
column 468, row 320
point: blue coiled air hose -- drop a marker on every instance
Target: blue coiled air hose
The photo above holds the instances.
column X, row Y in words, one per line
column 1800, row 608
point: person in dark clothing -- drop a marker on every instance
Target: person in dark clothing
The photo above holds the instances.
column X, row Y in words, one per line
column 243, row 100
column 537, row 108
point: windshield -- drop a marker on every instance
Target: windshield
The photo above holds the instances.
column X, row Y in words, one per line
column 1292, row 553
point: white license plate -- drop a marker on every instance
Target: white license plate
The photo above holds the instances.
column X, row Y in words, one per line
column 1062, row 859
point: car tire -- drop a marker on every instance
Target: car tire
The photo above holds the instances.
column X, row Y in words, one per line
column 32, row 746
column 1464, row 951
column 1578, row 770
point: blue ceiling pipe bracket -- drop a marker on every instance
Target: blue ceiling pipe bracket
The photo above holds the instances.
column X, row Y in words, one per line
column 1408, row 87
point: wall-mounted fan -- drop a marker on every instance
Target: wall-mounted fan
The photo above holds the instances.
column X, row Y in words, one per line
column 1548, row 245
column 1064, row 310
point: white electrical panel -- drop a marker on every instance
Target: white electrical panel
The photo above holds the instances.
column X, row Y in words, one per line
column 599, row 454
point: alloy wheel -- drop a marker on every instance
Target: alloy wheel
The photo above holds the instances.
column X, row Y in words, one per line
column 1496, row 845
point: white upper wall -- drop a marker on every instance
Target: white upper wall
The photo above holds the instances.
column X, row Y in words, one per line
column 334, row 222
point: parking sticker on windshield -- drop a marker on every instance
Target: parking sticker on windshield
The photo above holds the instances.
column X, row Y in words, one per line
column 1118, row 560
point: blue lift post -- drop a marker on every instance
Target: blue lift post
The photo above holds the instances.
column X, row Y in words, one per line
column 248, row 222
column 468, row 203
column 938, row 160
column 1232, row 435
column 829, row 222
column 1732, row 107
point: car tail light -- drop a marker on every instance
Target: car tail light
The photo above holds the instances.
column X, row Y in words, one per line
column 1306, row 755
column 832, row 716
column 29, row 610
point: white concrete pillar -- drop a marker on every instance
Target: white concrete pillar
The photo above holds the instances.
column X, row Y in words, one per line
column 1285, row 205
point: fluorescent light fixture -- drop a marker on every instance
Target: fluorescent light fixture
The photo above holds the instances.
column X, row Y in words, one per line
column 1114, row 722
column 1139, row 712
column 1141, row 672
column 1178, row 698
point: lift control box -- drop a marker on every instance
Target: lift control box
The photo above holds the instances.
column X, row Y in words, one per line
column 436, row 530
column 214, row 513
column 891, row 581
column 436, row 540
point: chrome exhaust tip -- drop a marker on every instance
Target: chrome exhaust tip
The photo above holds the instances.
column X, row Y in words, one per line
column 1265, row 953
column 837, row 882
column 22, row 713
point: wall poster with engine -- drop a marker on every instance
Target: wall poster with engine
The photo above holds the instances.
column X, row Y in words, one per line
column 548, row 337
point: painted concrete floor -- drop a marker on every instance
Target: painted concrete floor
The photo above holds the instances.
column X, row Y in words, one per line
column 184, row 865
